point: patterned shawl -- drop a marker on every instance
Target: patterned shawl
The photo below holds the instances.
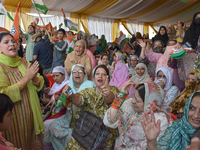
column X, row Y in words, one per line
column 179, row 102
column 182, row 129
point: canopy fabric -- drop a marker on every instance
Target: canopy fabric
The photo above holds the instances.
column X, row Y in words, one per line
column 137, row 10
column 96, row 16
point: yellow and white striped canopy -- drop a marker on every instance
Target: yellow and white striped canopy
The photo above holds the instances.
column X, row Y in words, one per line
column 153, row 11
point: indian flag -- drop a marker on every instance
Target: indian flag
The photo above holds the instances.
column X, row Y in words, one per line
column 39, row 6
column 71, row 25
column 3, row 11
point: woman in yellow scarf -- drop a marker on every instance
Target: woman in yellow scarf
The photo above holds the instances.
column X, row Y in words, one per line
column 20, row 81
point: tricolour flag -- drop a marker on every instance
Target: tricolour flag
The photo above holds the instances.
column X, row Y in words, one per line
column 69, row 23
column 3, row 11
column 39, row 5
column 15, row 28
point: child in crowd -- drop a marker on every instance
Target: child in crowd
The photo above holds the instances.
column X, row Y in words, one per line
column 6, row 117
column 180, row 32
column 61, row 48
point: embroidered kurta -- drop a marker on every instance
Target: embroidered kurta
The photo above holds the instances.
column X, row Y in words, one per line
column 132, row 136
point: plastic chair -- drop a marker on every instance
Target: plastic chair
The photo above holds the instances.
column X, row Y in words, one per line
column 153, row 78
column 50, row 78
column 173, row 116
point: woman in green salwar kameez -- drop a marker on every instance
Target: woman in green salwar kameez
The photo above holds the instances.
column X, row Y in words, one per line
column 96, row 100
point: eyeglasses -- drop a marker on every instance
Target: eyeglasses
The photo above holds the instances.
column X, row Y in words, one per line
column 77, row 71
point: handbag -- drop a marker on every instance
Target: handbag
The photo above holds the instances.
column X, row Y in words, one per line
column 90, row 132
column 47, row 110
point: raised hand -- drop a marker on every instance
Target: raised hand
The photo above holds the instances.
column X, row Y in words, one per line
column 32, row 70
column 169, row 25
column 151, row 129
column 105, row 88
column 125, row 88
column 162, row 84
column 142, row 43
column 65, row 89
column 194, row 145
column 52, row 41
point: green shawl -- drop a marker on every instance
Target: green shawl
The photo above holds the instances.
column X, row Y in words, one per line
column 182, row 130
column 103, row 43
column 32, row 89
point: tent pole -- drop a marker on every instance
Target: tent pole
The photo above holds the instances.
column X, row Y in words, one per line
column 44, row 25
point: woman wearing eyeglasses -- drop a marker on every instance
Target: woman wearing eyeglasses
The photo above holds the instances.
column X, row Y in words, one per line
column 59, row 131
column 79, row 56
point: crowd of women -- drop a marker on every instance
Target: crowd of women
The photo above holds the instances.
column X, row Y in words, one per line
column 129, row 98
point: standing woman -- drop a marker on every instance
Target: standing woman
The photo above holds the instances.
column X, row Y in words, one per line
column 20, row 81
column 29, row 43
column 103, row 43
column 162, row 36
column 193, row 33
column 79, row 56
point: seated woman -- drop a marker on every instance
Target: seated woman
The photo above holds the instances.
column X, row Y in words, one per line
column 177, row 136
column 140, row 77
column 126, row 114
column 96, row 100
column 132, row 65
column 79, row 56
column 61, row 80
column 192, row 84
column 105, row 61
column 120, row 76
column 59, row 132
column 164, row 79
column 6, row 117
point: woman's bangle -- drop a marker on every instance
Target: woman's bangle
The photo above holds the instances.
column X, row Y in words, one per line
column 20, row 85
column 36, row 83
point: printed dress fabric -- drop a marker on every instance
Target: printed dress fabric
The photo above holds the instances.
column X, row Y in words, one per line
column 178, row 136
column 132, row 136
column 87, row 103
column 9, row 146
column 60, row 131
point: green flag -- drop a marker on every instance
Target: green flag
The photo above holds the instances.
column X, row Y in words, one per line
column 39, row 5
column 3, row 11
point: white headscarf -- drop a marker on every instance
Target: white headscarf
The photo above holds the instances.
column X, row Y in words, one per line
column 140, row 79
column 167, row 72
column 57, row 87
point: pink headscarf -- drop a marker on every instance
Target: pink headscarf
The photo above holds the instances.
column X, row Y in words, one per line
column 117, row 58
column 120, row 76
column 92, row 58
column 162, row 62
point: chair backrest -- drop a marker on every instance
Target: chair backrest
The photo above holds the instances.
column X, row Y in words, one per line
column 153, row 78
column 50, row 78
column 173, row 116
